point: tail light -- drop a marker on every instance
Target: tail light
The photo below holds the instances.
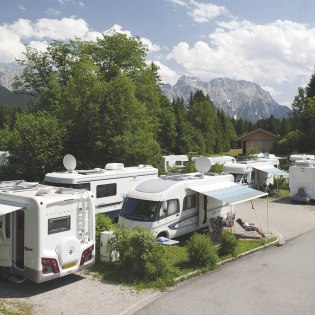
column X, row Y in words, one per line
column 50, row 265
column 86, row 255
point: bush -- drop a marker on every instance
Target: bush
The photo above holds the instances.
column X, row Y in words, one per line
column 200, row 251
column 140, row 256
column 228, row 243
column 217, row 168
column 102, row 223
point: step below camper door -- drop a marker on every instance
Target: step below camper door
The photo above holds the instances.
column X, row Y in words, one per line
column 6, row 233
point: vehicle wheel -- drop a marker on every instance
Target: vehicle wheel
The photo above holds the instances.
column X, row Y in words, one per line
column 5, row 273
column 163, row 234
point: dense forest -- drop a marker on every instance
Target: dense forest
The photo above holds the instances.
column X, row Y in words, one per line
column 102, row 103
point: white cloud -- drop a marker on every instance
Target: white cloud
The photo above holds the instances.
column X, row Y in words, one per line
column 166, row 74
column 275, row 52
column 21, row 7
column 201, row 12
column 204, row 12
column 37, row 34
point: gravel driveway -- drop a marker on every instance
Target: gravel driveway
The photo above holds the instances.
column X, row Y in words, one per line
column 75, row 294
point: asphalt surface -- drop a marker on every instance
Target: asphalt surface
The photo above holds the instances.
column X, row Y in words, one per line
column 275, row 281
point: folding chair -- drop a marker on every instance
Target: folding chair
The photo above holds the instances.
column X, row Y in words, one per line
column 249, row 232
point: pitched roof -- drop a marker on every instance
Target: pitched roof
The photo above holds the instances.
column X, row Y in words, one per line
column 254, row 131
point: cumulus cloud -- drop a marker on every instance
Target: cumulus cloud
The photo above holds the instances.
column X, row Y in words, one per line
column 201, row 12
column 275, row 52
column 37, row 34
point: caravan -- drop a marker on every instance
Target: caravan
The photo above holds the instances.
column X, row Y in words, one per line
column 45, row 232
column 174, row 161
column 258, row 175
column 174, row 205
column 109, row 185
column 302, row 180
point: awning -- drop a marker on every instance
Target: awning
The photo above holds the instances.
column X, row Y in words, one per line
column 5, row 208
column 229, row 193
column 271, row 170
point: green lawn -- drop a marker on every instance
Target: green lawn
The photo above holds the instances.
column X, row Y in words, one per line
column 178, row 263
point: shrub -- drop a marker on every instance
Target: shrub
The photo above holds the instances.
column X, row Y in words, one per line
column 102, row 223
column 228, row 243
column 140, row 256
column 200, row 251
column 217, row 168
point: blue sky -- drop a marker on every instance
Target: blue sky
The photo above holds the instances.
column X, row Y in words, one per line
column 269, row 42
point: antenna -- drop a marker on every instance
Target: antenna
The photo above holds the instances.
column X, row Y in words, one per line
column 202, row 165
column 69, row 162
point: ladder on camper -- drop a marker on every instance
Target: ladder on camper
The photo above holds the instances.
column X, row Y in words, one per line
column 83, row 220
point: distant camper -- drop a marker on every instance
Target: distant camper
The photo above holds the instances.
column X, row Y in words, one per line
column 220, row 159
column 45, row 232
column 174, row 161
column 258, row 175
column 109, row 185
column 302, row 179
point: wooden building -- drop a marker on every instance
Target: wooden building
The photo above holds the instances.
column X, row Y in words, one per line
column 260, row 140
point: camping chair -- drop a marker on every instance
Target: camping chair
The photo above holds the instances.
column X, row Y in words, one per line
column 249, row 232
column 229, row 222
column 215, row 227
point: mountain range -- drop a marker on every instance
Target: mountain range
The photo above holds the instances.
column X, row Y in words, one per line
column 237, row 98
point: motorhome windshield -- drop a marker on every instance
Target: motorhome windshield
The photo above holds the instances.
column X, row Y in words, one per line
column 140, row 210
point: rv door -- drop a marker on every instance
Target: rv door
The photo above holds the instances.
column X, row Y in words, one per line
column 6, row 234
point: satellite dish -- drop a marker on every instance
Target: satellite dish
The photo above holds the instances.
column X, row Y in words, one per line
column 69, row 162
column 202, row 164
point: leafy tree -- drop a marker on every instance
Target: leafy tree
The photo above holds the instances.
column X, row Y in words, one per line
column 35, row 144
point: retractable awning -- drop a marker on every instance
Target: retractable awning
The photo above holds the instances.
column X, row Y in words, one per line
column 229, row 193
column 271, row 170
column 6, row 208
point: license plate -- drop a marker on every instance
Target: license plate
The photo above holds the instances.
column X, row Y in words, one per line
column 69, row 265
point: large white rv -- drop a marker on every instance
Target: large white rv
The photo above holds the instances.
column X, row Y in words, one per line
column 174, row 161
column 302, row 178
column 174, row 205
column 255, row 174
column 45, row 232
column 109, row 185
column 220, row 159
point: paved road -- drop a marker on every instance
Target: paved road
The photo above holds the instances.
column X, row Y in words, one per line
column 278, row 280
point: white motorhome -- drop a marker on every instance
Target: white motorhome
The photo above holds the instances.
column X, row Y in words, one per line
column 220, row 159
column 174, row 161
column 298, row 157
column 268, row 157
column 255, row 174
column 174, row 205
column 302, row 176
column 45, row 232
column 109, row 185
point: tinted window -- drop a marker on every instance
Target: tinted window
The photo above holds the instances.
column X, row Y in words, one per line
column 7, row 225
column 139, row 210
column 56, row 225
column 190, row 202
column 168, row 208
column 106, row 190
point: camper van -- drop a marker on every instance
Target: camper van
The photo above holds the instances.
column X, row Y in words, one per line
column 174, row 161
column 258, row 175
column 109, row 185
column 302, row 179
column 220, row 159
column 174, row 205
column 45, row 232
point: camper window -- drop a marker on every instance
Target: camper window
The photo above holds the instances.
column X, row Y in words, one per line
column 106, row 190
column 178, row 163
column 190, row 202
column 172, row 208
column 57, row 225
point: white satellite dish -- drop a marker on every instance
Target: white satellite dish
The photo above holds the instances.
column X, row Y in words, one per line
column 202, row 164
column 69, row 162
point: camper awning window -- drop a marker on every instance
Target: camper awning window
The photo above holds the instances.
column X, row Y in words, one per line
column 5, row 208
column 271, row 170
column 229, row 193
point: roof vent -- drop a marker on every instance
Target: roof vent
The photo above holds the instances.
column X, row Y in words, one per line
column 114, row 166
